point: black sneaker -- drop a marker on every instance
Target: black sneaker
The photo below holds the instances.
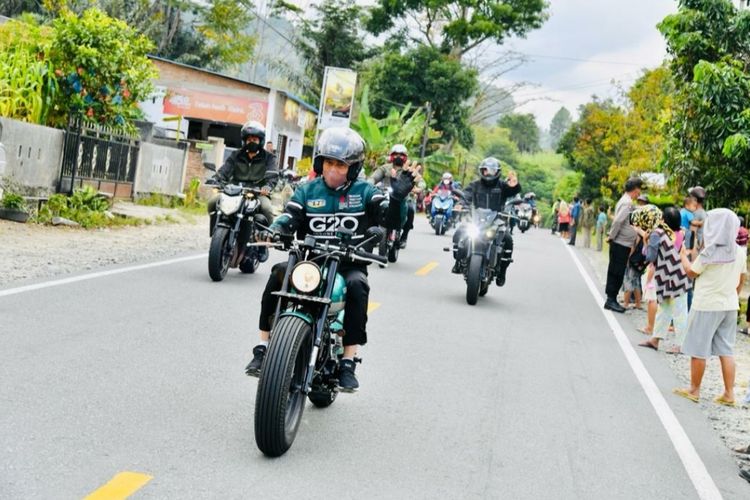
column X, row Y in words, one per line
column 347, row 380
column 500, row 279
column 253, row 368
column 456, row 268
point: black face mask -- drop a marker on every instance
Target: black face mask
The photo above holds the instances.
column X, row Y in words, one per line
column 398, row 161
column 252, row 147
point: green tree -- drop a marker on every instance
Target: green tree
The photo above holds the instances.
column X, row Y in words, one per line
column 523, row 131
column 560, row 124
column 102, row 69
column 421, row 75
column 709, row 132
column 595, row 143
column 333, row 37
column 457, row 26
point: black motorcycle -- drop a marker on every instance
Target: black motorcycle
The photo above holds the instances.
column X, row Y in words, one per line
column 237, row 219
column 305, row 347
column 480, row 250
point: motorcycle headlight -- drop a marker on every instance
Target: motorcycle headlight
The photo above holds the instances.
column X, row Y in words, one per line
column 229, row 204
column 472, row 231
column 490, row 233
column 306, row 277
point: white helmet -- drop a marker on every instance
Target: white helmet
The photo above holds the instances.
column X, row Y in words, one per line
column 447, row 178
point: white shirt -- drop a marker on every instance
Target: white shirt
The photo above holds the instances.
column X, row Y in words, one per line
column 716, row 284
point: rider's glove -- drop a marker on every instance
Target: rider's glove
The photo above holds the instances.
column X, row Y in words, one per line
column 402, row 185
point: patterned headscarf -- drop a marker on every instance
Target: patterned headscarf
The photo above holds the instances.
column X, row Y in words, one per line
column 648, row 218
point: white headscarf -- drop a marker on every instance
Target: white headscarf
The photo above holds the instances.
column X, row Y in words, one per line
column 720, row 233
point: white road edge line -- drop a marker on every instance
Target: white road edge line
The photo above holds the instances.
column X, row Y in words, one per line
column 94, row 275
column 694, row 466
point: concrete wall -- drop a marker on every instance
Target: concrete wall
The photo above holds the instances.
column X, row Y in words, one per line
column 32, row 153
column 160, row 169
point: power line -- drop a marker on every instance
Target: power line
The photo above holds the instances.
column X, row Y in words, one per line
column 595, row 61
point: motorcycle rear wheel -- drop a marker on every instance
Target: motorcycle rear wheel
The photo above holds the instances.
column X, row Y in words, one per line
column 279, row 401
column 219, row 256
column 473, row 279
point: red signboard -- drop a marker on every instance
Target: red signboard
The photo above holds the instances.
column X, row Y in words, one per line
column 215, row 107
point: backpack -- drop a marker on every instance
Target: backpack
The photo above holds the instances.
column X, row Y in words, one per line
column 637, row 259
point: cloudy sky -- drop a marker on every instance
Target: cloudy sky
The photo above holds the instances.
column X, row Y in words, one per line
column 583, row 46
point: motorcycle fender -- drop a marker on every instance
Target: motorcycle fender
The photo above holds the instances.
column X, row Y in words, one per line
column 304, row 317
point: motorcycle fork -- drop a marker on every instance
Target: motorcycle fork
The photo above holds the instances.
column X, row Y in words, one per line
column 320, row 325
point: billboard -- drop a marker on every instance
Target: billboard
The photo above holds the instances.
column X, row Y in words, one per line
column 337, row 98
column 214, row 107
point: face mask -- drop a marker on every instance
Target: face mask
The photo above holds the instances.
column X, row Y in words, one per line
column 446, row 181
column 252, row 147
column 398, row 161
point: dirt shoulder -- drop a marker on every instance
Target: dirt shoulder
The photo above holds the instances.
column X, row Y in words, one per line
column 32, row 251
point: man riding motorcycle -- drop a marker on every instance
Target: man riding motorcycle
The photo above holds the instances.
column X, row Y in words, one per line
column 397, row 158
column 251, row 165
column 489, row 192
column 337, row 198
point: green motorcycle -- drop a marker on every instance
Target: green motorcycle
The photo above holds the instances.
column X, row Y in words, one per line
column 303, row 355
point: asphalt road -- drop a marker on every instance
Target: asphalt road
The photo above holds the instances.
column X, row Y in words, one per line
column 526, row 395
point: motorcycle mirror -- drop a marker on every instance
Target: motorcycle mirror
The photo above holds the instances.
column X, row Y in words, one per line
column 374, row 231
column 446, row 249
column 210, row 166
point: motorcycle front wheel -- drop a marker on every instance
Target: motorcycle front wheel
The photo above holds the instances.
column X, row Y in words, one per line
column 473, row 279
column 279, row 401
column 393, row 251
column 438, row 225
column 218, row 255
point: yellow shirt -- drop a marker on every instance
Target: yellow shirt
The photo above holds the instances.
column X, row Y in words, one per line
column 716, row 285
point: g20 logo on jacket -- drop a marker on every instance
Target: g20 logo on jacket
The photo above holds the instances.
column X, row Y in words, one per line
column 330, row 223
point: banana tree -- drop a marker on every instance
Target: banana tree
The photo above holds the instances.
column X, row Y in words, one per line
column 380, row 134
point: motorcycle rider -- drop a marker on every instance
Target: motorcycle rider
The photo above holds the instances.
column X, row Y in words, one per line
column 489, row 192
column 530, row 198
column 397, row 158
column 446, row 183
column 251, row 165
column 336, row 197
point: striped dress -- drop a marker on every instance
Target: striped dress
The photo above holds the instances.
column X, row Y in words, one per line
column 669, row 275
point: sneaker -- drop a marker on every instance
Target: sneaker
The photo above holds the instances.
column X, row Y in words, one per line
column 402, row 244
column 456, row 268
column 347, row 380
column 500, row 279
column 253, row 368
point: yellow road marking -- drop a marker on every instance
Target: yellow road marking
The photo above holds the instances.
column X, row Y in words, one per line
column 372, row 306
column 121, row 486
column 423, row 271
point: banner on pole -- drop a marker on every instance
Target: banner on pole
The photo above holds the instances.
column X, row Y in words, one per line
column 337, row 98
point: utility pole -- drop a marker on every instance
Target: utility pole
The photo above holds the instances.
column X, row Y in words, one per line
column 428, row 115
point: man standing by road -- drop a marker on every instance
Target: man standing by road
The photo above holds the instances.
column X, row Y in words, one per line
column 587, row 223
column 621, row 239
column 575, row 219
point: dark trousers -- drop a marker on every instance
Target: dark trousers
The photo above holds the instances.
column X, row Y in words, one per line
column 355, row 311
column 573, row 233
column 618, row 261
column 411, row 208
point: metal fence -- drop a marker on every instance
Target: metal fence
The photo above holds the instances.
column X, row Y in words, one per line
column 98, row 156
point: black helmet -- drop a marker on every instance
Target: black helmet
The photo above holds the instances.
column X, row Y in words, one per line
column 493, row 169
column 340, row 143
column 253, row 128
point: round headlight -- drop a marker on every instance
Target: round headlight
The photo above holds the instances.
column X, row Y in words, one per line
column 306, row 277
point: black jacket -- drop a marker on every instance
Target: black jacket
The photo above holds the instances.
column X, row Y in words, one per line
column 239, row 168
column 491, row 195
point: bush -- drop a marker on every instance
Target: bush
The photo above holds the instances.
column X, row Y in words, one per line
column 13, row 201
column 86, row 207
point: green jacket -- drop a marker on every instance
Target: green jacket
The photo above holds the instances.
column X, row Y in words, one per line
column 317, row 210
column 261, row 171
column 383, row 174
